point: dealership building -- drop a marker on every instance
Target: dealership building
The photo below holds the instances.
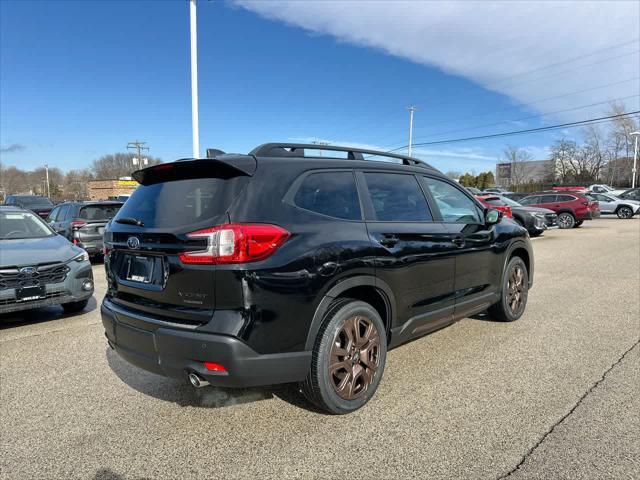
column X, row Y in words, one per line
column 111, row 188
column 531, row 171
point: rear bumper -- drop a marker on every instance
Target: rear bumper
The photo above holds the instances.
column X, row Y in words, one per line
column 92, row 247
column 175, row 351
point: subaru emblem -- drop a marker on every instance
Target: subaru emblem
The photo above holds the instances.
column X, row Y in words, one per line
column 28, row 271
column 133, row 242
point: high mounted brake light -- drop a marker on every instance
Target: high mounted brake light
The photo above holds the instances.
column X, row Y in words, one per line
column 236, row 243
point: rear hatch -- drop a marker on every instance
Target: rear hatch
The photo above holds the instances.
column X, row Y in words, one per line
column 145, row 239
column 88, row 227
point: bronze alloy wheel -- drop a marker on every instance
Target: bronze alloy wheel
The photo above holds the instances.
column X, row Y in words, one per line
column 516, row 289
column 355, row 357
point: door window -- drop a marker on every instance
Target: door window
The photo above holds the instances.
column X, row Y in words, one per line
column 62, row 214
column 53, row 214
column 397, row 197
column 330, row 193
column 565, row 198
column 454, row 205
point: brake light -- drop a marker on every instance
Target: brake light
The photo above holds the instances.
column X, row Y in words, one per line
column 586, row 204
column 77, row 224
column 214, row 367
column 236, row 243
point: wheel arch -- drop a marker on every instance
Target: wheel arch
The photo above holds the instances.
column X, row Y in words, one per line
column 367, row 288
column 522, row 250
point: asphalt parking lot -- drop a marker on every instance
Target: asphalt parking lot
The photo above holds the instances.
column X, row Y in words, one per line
column 554, row 395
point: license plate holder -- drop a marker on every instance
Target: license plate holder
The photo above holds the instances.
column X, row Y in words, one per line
column 26, row 294
column 139, row 269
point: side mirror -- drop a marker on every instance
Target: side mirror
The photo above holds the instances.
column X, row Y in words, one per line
column 492, row 216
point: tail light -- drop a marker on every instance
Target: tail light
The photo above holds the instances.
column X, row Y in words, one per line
column 214, row 367
column 236, row 243
column 77, row 224
column 586, row 204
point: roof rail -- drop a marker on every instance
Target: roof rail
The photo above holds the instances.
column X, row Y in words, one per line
column 298, row 150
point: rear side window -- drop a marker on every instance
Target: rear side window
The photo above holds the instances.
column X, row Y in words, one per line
column 397, row 198
column 98, row 212
column 330, row 193
column 563, row 198
column 182, row 202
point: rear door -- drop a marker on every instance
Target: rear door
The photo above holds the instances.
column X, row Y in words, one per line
column 89, row 221
column 413, row 252
column 478, row 268
column 149, row 232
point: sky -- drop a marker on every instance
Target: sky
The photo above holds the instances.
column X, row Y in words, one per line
column 82, row 79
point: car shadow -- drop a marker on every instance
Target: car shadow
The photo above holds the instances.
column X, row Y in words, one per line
column 107, row 474
column 182, row 393
column 41, row 315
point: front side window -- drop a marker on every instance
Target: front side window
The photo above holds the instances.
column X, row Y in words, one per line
column 330, row 193
column 21, row 225
column 397, row 198
column 454, row 205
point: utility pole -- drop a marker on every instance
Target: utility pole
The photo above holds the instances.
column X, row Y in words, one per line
column 411, row 110
column 321, row 143
column 138, row 146
column 635, row 159
column 46, row 173
column 194, row 79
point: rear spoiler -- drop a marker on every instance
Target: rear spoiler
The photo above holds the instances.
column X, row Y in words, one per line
column 222, row 166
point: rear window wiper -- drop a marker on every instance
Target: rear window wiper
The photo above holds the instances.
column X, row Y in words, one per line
column 130, row 221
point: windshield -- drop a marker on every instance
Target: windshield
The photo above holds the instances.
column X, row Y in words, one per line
column 34, row 200
column 511, row 203
column 98, row 212
column 21, row 225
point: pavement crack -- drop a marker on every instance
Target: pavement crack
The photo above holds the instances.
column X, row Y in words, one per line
column 568, row 414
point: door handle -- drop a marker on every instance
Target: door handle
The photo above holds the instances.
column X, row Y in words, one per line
column 389, row 240
column 458, row 241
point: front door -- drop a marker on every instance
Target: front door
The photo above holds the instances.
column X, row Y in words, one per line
column 607, row 204
column 478, row 266
column 412, row 252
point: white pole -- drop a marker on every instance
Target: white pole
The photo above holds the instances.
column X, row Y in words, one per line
column 411, row 110
column 46, row 170
column 194, row 79
column 635, row 160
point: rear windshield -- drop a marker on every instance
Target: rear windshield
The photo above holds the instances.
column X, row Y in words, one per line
column 34, row 200
column 98, row 212
column 20, row 225
column 182, row 202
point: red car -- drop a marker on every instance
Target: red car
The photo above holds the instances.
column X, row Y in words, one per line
column 490, row 202
column 573, row 208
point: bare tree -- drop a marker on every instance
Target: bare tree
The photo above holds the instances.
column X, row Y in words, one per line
column 563, row 152
column 75, row 184
column 117, row 165
column 516, row 156
column 453, row 174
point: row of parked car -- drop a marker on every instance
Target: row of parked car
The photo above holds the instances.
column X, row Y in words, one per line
column 565, row 207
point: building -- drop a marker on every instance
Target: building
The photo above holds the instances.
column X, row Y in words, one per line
column 109, row 189
column 531, row 171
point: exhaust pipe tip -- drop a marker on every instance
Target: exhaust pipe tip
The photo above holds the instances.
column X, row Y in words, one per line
column 197, row 381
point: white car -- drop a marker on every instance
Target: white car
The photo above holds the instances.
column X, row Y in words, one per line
column 606, row 189
column 614, row 205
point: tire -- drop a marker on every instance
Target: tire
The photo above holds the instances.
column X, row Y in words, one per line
column 624, row 213
column 75, row 307
column 578, row 224
column 566, row 220
column 336, row 391
column 515, row 289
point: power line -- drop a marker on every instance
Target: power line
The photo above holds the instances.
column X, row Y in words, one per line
column 521, row 132
column 530, row 117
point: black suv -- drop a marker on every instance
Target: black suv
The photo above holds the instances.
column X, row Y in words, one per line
column 279, row 266
column 83, row 222
column 36, row 203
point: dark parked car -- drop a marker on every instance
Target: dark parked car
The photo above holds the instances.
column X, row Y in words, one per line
column 631, row 194
column 39, row 268
column 535, row 219
column 572, row 208
column 40, row 205
column 83, row 222
column 278, row 267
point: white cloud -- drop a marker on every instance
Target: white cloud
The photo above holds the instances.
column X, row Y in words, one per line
column 494, row 44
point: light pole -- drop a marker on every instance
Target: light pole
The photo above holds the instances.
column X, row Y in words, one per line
column 46, row 172
column 411, row 110
column 635, row 158
column 194, row 79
